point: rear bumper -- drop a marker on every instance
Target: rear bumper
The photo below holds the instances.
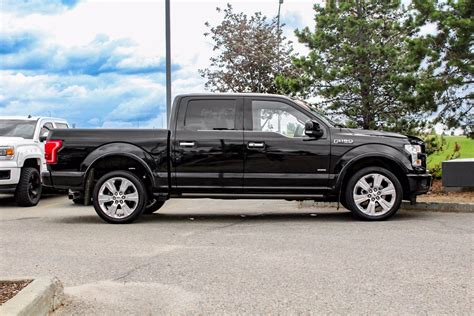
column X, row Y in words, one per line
column 419, row 183
column 63, row 179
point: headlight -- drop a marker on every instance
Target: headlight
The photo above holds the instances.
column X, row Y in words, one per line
column 414, row 150
column 7, row 152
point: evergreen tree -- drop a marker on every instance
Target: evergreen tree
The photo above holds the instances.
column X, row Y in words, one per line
column 365, row 63
column 450, row 58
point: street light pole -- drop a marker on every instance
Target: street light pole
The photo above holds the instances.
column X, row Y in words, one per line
column 168, row 61
column 280, row 2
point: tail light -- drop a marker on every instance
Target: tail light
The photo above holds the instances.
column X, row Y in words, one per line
column 51, row 151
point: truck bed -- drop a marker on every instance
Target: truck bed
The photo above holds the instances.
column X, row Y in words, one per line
column 81, row 147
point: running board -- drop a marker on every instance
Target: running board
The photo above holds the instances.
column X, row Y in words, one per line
column 235, row 196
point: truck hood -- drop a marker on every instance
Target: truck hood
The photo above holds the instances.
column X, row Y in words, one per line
column 11, row 141
column 365, row 132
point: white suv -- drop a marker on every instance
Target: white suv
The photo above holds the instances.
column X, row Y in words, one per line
column 22, row 155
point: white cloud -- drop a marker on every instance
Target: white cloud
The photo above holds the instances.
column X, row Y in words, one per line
column 78, row 33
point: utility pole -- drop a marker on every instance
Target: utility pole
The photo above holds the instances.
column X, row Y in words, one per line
column 280, row 2
column 168, row 61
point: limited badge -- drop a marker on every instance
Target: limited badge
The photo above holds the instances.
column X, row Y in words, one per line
column 343, row 141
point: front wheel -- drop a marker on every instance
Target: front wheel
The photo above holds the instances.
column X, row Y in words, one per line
column 28, row 190
column 119, row 197
column 373, row 193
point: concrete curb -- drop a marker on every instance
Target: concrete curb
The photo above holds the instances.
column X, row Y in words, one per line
column 41, row 297
column 419, row 206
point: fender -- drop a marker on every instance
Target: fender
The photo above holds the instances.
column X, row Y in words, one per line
column 119, row 149
column 30, row 151
column 370, row 151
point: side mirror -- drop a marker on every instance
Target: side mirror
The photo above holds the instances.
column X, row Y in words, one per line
column 43, row 137
column 313, row 129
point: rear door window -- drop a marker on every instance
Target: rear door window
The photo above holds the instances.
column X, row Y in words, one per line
column 209, row 115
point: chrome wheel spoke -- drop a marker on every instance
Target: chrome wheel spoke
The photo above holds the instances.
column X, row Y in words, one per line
column 125, row 185
column 126, row 210
column 390, row 190
column 132, row 197
column 103, row 198
column 111, row 186
column 386, row 206
column 371, row 208
column 364, row 185
column 378, row 178
column 358, row 199
column 112, row 210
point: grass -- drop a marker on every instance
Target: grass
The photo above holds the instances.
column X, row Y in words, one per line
column 467, row 150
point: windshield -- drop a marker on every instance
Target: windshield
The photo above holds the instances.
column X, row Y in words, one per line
column 17, row 128
column 316, row 112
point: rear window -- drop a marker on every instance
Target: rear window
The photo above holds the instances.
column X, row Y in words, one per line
column 61, row 125
column 215, row 114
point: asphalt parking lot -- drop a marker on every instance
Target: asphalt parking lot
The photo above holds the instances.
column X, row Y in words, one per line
column 244, row 257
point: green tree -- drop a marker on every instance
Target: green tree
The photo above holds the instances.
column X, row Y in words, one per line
column 251, row 52
column 365, row 64
column 450, row 57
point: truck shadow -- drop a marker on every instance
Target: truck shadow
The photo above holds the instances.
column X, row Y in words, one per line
column 8, row 200
column 233, row 218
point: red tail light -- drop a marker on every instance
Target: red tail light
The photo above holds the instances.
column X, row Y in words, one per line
column 51, row 151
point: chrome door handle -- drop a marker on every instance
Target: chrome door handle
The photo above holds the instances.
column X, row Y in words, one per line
column 256, row 145
column 187, row 144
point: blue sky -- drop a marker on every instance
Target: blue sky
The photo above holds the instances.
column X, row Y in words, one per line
column 101, row 63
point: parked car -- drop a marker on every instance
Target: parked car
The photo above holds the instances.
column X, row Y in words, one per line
column 22, row 155
column 237, row 146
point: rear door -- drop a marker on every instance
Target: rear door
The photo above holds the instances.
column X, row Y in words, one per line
column 280, row 158
column 208, row 145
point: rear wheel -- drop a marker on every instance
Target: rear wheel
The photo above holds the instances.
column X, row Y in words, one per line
column 373, row 193
column 28, row 190
column 119, row 197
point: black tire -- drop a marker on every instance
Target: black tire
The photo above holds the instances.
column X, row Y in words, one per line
column 153, row 206
column 396, row 202
column 140, row 189
column 28, row 190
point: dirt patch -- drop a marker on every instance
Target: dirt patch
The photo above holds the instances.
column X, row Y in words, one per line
column 8, row 289
column 438, row 194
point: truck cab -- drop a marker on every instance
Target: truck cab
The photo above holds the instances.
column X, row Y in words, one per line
column 22, row 155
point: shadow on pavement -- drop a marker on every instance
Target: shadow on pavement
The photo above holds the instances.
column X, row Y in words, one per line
column 212, row 218
column 9, row 200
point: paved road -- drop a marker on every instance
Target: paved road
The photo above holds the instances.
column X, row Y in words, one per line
column 214, row 257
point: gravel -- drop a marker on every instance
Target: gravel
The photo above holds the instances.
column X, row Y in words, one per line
column 8, row 289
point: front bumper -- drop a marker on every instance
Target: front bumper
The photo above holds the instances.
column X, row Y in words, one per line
column 419, row 183
column 9, row 175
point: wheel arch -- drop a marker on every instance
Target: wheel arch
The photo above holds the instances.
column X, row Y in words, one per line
column 382, row 160
column 33, row 162
column 112, row 161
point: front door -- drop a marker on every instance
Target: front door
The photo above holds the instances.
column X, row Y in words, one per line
column 208, row 145
column 280, row 158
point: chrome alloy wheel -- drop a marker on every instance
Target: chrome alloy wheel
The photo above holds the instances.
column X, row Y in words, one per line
column 118, row 197
column 374, row 194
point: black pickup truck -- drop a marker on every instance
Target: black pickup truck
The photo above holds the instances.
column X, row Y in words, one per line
column 237, row 146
